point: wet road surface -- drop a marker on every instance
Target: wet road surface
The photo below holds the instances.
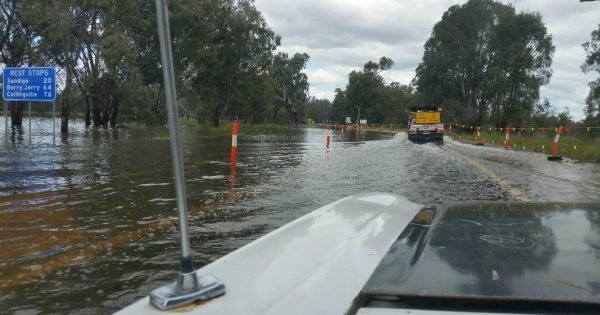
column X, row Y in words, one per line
column 88, row 225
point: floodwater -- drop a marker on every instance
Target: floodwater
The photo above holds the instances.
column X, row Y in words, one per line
column 88, row 224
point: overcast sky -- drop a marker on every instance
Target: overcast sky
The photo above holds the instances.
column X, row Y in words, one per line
column 342, row 35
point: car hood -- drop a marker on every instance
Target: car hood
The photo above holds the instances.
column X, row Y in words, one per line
column 506, row 251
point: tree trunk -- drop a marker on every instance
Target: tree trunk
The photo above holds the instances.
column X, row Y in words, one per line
column 96, row 111
column 216, row 119
column 295, row 118
column 114, row 112
column 88, row 118
column 16, row 114
column 65, row 108
column 158, row 104
column 64, row 115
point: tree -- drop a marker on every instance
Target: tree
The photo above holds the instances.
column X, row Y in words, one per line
column 368, row 96
column 17, row 42
column 393, row 108
column 107, row 55
column 341, row 107
column 544, row 114
column 565, row 118
column 291, row 84
column 364, row 89
column 483, row 61
column 230, row 48
column 319, row 109
column 60, row 30
column 592, row 63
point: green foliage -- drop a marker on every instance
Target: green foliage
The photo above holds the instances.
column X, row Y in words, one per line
column 592, row 63
column 18, row 41
column 485, row 63
column 291, row 84
column 319, row 110
column 192, row 127
column 108, row 58
column 545, row 115
column 368, row 97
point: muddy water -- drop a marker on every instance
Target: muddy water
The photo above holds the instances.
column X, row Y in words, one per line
column 88, row 225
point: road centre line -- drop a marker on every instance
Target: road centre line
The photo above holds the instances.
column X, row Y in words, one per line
column 504, row 184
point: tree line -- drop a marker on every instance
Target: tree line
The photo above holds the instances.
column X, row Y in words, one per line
column 367, row 96
column 592, row 64
column 107, row 56
column 484, row 64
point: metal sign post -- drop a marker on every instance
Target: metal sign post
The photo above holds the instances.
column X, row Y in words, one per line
column 53, row 124
column 6, row 120
column 190, row 286
column 29, row 103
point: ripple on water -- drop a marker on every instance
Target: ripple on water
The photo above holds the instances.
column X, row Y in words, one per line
column 105, row 212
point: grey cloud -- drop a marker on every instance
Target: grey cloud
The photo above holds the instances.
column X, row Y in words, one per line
column 342, row 35
column 342, row 23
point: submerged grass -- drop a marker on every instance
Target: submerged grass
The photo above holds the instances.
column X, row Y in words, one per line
column 193, row 128
column 581, row 148
column 226, row 128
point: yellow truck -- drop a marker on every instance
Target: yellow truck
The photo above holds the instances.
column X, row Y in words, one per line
column 424, row 125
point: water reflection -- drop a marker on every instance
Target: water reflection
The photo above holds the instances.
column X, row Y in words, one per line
column 504, row 242
column 16, row 135
column 99, row 206
column 506, row 251
column 592, row 239
column 39, row 220
column 404, row 253
column 103, row 191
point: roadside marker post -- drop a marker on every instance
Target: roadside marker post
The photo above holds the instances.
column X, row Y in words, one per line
column 234, row 135
column 554, row 156
column 479, row 143
column 29, row 103
column 506, row 143
column 328, row 134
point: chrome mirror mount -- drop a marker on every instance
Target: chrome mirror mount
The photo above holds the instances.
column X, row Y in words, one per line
column 188, row 288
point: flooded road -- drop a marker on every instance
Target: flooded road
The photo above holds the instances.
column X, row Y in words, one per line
column 88, row 225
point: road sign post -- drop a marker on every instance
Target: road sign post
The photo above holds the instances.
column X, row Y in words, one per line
column 53, row 123
column 5, row 118
column 30, row 84
column 29, row 103
column 5, row 121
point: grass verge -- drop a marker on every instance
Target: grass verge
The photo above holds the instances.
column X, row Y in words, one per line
column 583, row 149
column 193, row 128
column 225, row 129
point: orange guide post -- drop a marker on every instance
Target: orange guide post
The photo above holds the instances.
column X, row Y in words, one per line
column 234, row 134
column 506, row 140
column 554, row 156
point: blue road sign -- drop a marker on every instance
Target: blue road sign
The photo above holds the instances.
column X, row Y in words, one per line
column 32, row 84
